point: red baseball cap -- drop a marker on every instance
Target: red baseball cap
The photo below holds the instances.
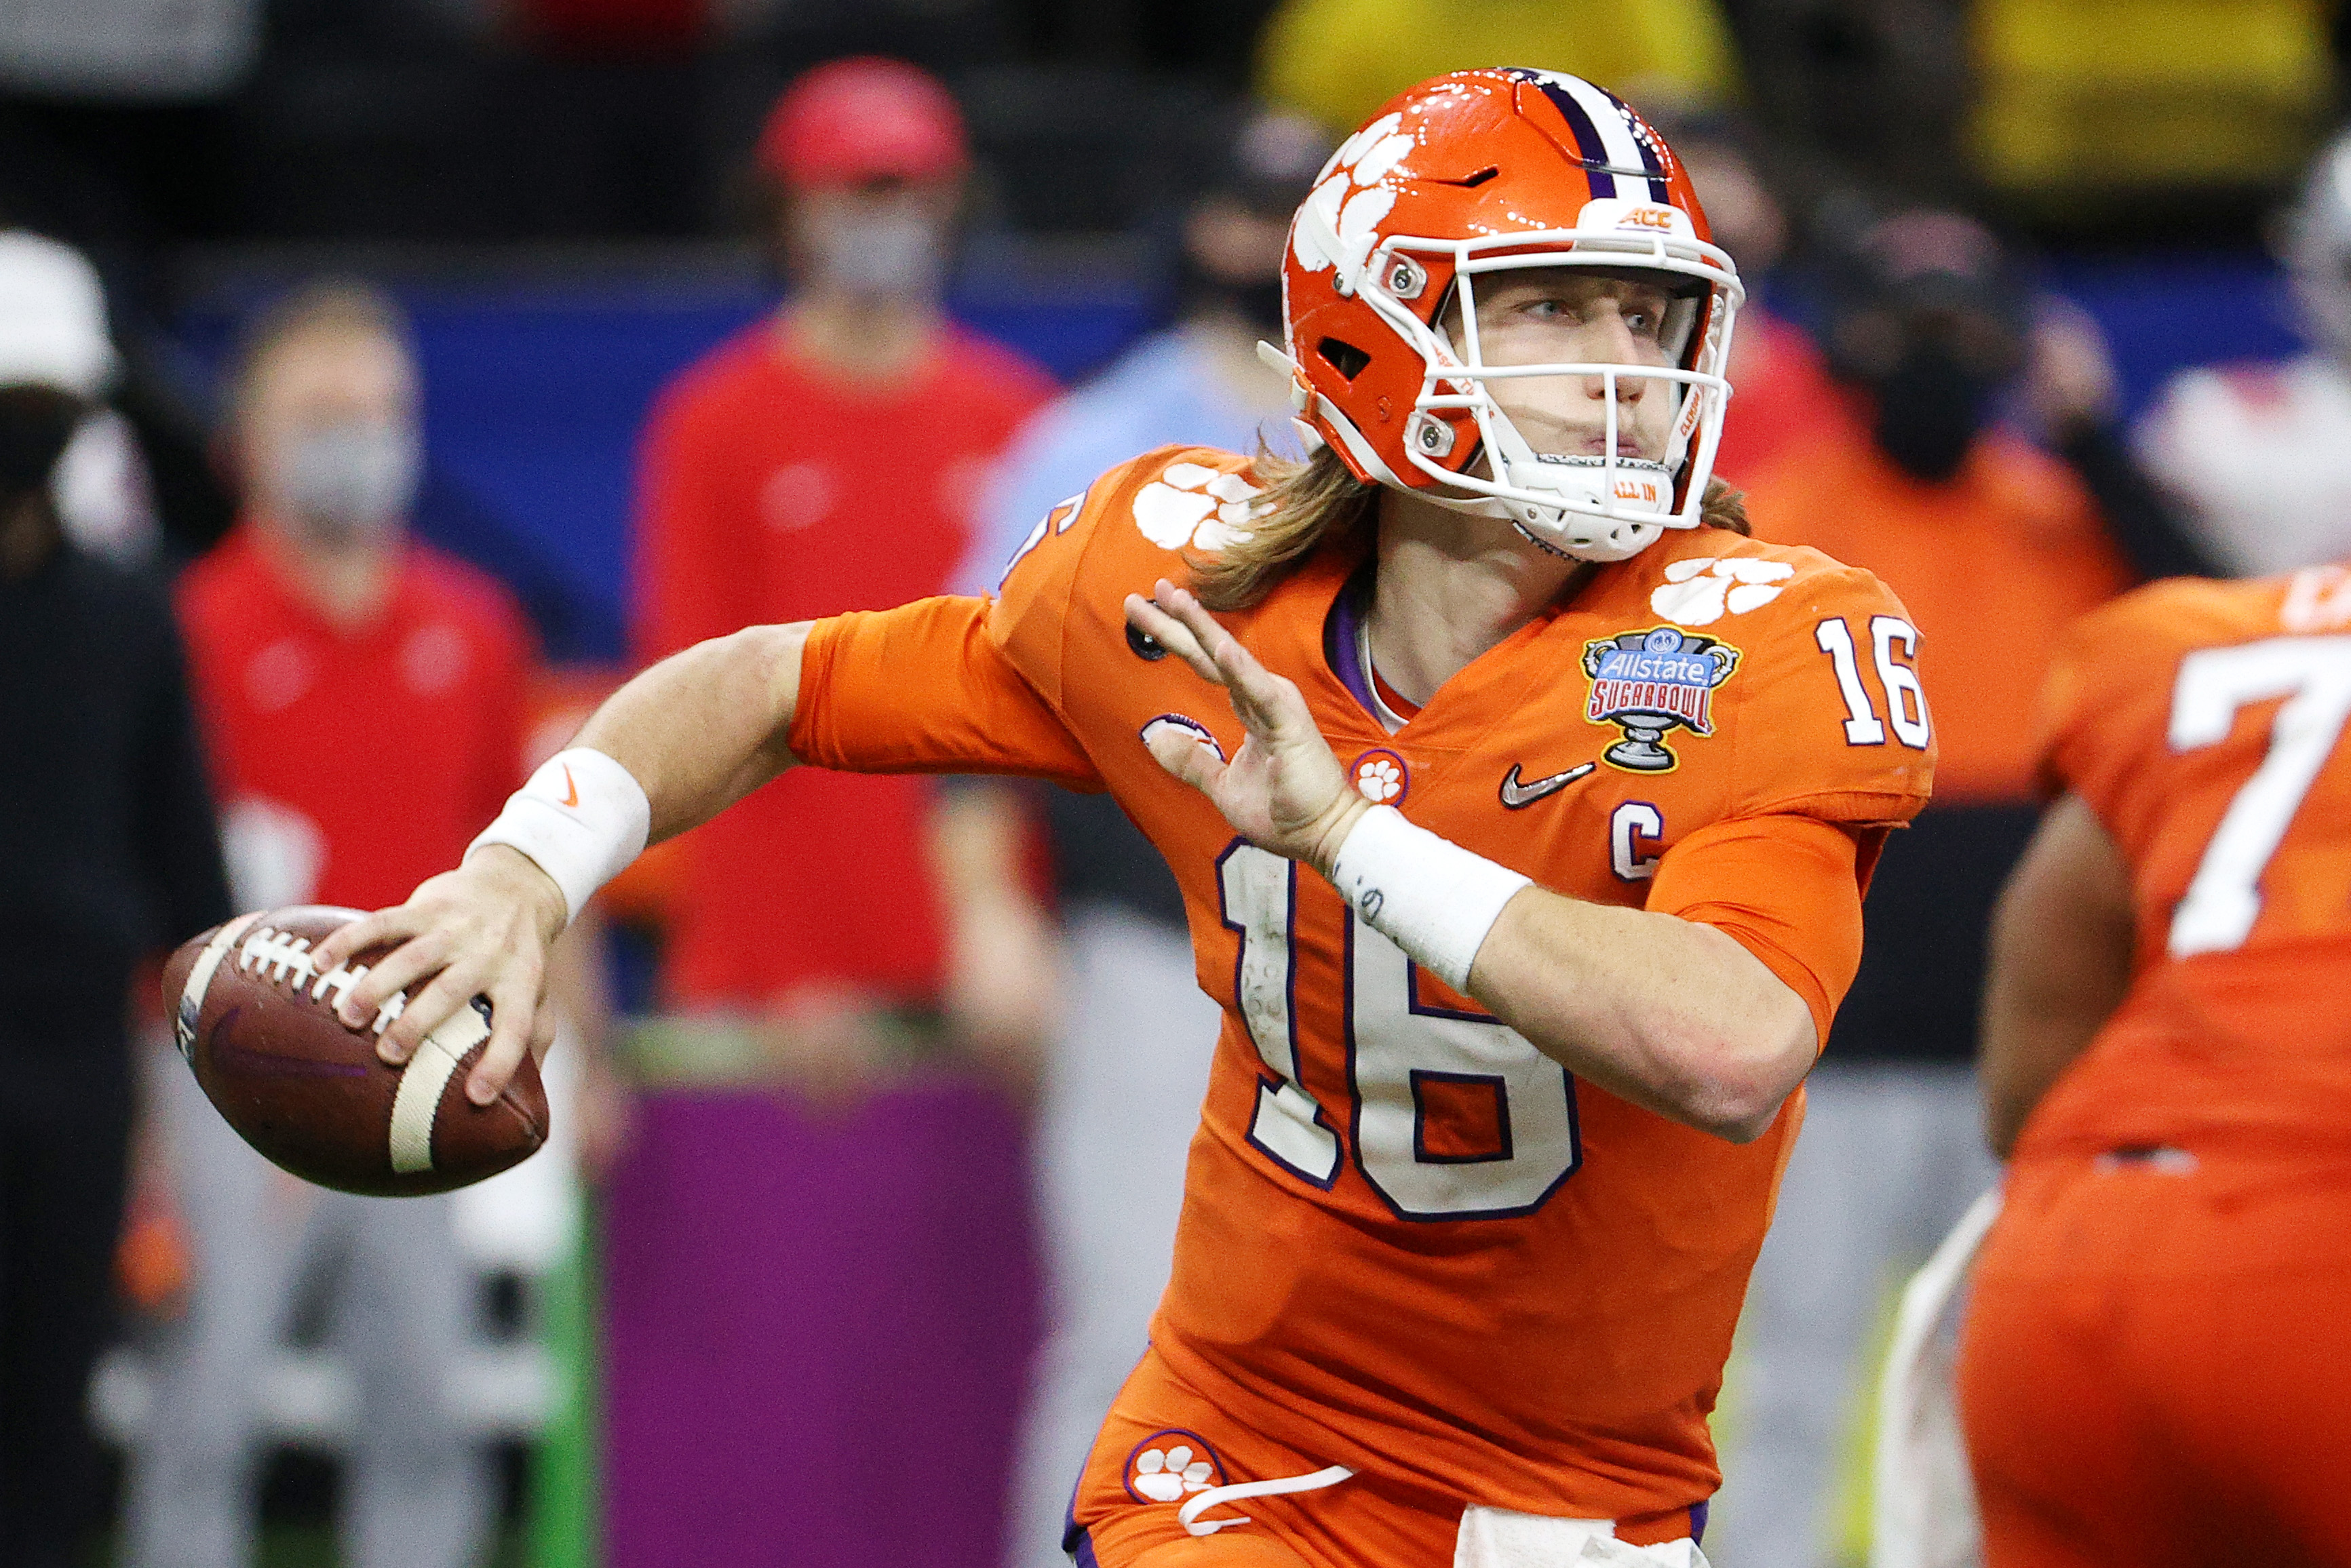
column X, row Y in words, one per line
column 849, row 121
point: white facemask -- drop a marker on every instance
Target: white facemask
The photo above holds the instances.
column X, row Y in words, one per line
column 347, row 483
column 888, row 255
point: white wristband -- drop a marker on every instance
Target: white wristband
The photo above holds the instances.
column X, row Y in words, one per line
column 1426, row 894
column 582, row 818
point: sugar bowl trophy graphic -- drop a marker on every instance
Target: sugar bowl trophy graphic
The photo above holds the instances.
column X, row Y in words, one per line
column 1648, row 683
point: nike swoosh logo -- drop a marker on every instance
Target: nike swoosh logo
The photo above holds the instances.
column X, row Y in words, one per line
column 1515, row 794
column 572, row 790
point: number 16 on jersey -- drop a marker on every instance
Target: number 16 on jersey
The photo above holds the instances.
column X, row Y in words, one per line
column 1403, row 1057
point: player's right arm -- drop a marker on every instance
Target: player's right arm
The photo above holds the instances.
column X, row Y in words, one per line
column 697, row 732
column 922, row 688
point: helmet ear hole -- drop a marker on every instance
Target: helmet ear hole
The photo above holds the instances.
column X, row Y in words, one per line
column 1344, row 357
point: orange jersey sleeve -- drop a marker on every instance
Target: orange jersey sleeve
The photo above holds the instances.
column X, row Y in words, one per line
column 1831, row 719
column 925, row 689
column 1785, row 888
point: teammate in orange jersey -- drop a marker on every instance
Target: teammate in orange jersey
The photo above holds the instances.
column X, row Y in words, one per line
column 2155, row 1367
column 1483, row 1164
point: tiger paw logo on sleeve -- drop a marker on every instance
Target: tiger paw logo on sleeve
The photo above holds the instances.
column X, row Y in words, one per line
column 1206, row 508
column 1649, row 684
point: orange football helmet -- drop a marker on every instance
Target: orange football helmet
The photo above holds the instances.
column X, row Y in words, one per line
column 1483, row 172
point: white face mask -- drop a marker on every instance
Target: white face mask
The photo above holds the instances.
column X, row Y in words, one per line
column 885, row 255
column 350, row 482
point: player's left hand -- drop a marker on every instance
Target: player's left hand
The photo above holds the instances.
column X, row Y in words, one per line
column 1284, row 790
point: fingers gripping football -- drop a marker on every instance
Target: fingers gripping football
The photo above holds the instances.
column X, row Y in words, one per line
column 484, row 929
column 1284, row 790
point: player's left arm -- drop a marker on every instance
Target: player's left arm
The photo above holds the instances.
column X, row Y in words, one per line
column 1673, row 1014
column 2062, row 942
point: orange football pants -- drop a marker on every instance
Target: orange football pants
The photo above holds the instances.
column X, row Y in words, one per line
column 2155, row 1367
column 1163, row 1439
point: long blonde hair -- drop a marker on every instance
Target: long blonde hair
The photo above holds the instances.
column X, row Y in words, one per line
column 1308, row 506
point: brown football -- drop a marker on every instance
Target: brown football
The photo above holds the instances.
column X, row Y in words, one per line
column 256, row 1020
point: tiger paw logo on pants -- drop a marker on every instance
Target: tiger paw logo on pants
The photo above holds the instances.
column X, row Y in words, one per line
column 1170, row 1465
column 1189, row 505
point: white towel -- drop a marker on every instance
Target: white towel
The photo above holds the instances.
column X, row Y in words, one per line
column 1924, row 1513
column 1498, row 1538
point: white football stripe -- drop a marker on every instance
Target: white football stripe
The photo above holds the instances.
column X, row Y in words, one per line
column 418, row 1098
column 200, row 981
column 1615, row 136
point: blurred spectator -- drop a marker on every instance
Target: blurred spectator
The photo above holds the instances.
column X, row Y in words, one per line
column 2260, row 454
column 1339, row 60
column 1126, row 1070
column 1778, row 379
column 1993, row 547
column 2084, row 105
column 364, row 698
column 827, row 459
column 107, row 853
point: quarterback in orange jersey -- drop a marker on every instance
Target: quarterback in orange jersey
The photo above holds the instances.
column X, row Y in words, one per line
column 2155, row 1367
column 1521, row 806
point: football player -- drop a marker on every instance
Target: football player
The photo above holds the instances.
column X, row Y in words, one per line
column 1521, row 806
column 2155, row 1367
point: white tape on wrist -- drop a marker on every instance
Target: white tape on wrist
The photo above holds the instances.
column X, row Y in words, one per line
column 581, row 819
column 1426, row 894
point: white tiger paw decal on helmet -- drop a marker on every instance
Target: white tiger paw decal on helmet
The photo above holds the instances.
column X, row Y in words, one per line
column 1189, row 505
column 1700, row 591
column 1164, row 1476
column 1340, row 224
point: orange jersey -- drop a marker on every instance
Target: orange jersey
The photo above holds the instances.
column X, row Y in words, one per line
column 1411, row 1244
column 2202, row 722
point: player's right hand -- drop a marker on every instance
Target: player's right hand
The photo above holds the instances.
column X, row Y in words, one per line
column 1284, row 790
column 484, row 929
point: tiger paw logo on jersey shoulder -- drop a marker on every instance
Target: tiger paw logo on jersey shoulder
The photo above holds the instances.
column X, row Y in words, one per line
column 1206, row 508
column 1170, row 1465
column 1703, row 589
column 1649, row 684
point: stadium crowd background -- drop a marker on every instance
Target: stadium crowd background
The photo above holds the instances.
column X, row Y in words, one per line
column 796, row 1309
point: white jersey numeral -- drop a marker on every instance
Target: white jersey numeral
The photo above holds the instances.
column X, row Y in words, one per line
column 1404, row 1051
column 1906, row 699
column 2314, row 673
column 1258, row 890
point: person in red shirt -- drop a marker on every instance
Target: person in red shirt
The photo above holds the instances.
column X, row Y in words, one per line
column 823, row 460
column 826, row 459
column 350, row 682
